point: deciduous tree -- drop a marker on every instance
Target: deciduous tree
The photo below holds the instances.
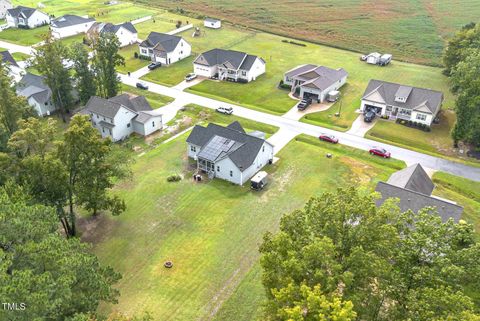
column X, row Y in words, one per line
column 83, row 72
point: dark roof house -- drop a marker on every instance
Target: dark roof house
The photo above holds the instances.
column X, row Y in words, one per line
column 69, row 20
column 408, row 97
column 413, row 188
column 7, row 58
column 161, row 41
column 230, row 59
column 34, row 86
column 21, row 11
column 318, row 77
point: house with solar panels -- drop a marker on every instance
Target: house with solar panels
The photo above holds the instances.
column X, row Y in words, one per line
column 229, row 152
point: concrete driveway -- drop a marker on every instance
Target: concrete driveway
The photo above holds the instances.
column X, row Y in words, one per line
column 281, row 138
column 295, row 114
column 17, row 48
column 140, row 72
column 360, row 127
column 187, row 84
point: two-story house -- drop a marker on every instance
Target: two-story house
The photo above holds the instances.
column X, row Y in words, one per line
column 126, row 32
column 164, row 48
column 228, row 152
column 120, row 116
column 25, row 17
column 229, row 65
column 37, row 93
column 70, row 25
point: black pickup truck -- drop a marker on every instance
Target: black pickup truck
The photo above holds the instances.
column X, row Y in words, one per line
column 304, row 104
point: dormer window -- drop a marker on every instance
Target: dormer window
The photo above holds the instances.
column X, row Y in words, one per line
column 402, row 94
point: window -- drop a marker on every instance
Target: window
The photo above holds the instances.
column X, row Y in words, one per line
column 94, row 124
column 103, row 129
column 244, row 73
column 422, row 117
column 128, row 125
column 231, row 173
column 389, row 108
column 153, row 124
column 218, row 168
column 46, row 103
column 193, row 148
column 98, row 117
column 110, row 132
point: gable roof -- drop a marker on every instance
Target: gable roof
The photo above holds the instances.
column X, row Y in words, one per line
column 102, row 27
column 217, row 142
column 411, row 200
column 212, row 20
column 165, row 42
column 6, row 57
column 21, row 10
column 413, row 178
column 228, row 58
column 69, row 20
column 421, row 99
column 110, row 107
column 319, row 77
column 34, row 86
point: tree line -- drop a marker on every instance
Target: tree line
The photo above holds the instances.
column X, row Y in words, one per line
column 462, row 65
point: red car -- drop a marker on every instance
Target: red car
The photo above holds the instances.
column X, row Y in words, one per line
column 379, row 152
column 328, row 138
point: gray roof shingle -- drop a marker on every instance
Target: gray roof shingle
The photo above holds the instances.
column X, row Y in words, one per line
column 110, row 107
column 229, row 58
column 102, row 27
column 320, row 77
column 413, row 178
column 166, row 42
column 21, row 10
column 426, row 100
column 69, row 20
column 242, row 152
column 34, row 86
column 6, row 57
column 411, row 200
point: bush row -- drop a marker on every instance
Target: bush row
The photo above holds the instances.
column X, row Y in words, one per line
column 414, row 124
column 294, row 43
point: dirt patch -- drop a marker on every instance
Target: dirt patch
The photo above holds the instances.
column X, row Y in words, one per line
column 361, row 173
column 94, row 229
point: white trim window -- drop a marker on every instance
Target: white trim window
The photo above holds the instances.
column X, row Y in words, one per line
column 421, row 117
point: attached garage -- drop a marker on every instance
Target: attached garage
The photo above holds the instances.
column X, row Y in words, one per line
column 368, row 107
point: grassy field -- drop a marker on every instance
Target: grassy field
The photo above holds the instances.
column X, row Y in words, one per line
column 200, row 226
column 413, row 30
column 26, row 37
column 131, row 63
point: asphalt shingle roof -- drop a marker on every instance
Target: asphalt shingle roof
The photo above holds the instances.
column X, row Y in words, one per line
column 18, row 10
column 320, row 77
column 69, row 20
column 229, row 58
column 34, row 86
column 383, row 92
column 110, row 107
column 413, row 178
column 244, row 150
column 109, row 27
column 164, row 41
column 6, row 57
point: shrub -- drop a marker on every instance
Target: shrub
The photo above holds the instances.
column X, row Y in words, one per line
column 242, row 81
column 135, row 54
column 174, row 178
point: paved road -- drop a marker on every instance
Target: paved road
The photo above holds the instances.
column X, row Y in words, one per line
column 17, row 48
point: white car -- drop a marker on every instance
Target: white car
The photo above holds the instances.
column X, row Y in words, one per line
column 190, row 77
column 225, row 110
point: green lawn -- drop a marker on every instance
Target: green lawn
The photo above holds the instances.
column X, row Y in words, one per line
column 131, row 63
column 155, row 100
column 69, row 41
column 18, row 56
column 210, row 230
column 26, row 37
column 172, row 74
column 160, row 25
column 280, row 57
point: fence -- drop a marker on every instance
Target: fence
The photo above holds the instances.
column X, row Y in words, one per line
column 181, row 29
column 143, row 19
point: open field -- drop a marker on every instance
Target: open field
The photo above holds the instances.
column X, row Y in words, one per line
column 413, row 30
column 131, row 63
column 26, row 37
column 200, row 226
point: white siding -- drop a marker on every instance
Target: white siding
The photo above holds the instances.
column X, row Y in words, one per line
column 214, row 25
column 4, row 6
column 257, row 69
column 41, row 109
column 152, row 125
column 193, row 150
column 59, row 33
column 428, row 118
column 123, row 124
column 182, row 51
column 38, row 18
column 205, row 71
column 226, row 169
column 322, row 94
column 262, row 159
column 126, row 37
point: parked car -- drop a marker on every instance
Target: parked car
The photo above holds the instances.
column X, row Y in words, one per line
column 142, row 85
column 154, row 65
column 190, row 77
column 225, row 110
column 369, row 116
column 328, row 138
column 380, row 152
column 304, row 103
column 259, row 181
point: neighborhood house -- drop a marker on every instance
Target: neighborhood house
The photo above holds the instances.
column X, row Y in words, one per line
column 229, row 65
column 212, row 23
column 314, row 82
column 413, row 188
column 403, row 102
column 4, row 6
column 228, row 152
column 25, row 17
column 164, row 48
column 70, row 25
column 120, row 116
column 37, row 93
column 125, row 32
column 14, row 70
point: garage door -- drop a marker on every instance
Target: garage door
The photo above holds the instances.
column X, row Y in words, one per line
column 377, row 110
column 314, row 97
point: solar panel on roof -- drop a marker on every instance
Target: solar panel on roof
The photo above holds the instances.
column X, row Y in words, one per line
column 216, row 147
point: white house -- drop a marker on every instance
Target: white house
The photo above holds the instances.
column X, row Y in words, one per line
column 403, row 102
column 315, row 82
column 229, row 65
column 24, row 17
column 212, row 23
column 4, row 6
column 164, row 48
column 228, row 152
column 14, row 70
column 120, row 116
column 37, row 93
column 125, row 32
column 70, row 25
